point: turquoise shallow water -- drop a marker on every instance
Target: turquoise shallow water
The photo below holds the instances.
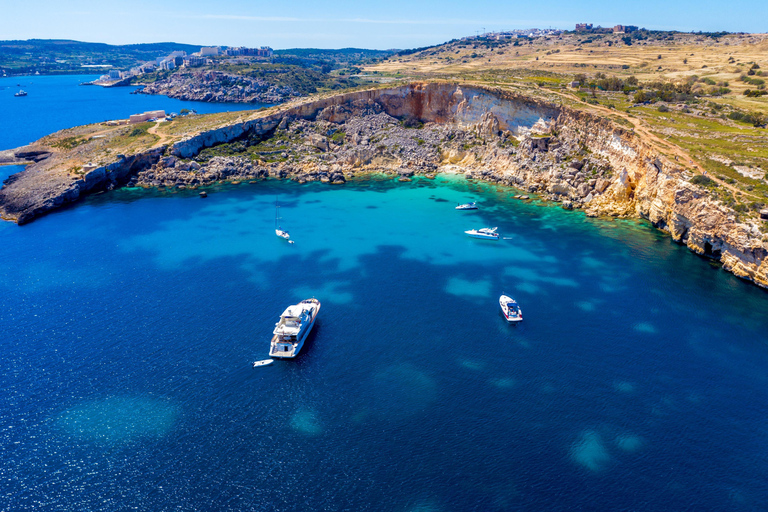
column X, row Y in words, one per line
column 636, row 382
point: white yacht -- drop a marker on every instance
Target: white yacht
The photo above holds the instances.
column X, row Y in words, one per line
column 487, row 233
column 510, row 308
column 293, row 328
column 467, row 206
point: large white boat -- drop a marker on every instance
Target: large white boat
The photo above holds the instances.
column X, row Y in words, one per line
column 293, row 328
column 510, row 308
column 467, row 206
column 487, row 233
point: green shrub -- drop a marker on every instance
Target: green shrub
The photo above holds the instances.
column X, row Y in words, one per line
column 704, row 181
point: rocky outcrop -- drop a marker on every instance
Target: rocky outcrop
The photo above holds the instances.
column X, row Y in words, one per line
column 34, row 192
column 215, row 86
column 565, row 155
column 23, row 155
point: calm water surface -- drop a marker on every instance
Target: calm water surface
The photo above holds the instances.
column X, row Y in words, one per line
column 638, row 380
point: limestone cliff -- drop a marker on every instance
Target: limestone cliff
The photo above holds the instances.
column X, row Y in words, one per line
column 564, row 154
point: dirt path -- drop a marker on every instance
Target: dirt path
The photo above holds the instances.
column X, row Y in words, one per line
column 153, row 130
column 654, row 140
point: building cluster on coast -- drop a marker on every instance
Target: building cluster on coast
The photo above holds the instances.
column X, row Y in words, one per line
column 533, row 33
column 515, row 34
column 179, row 59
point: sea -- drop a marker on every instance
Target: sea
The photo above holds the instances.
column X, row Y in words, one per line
column 638, row 379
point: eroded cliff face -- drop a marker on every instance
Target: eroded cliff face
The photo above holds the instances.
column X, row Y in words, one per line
column 648, row 186
column 565, row 155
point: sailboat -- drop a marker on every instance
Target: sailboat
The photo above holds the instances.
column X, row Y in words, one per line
column 278, row 230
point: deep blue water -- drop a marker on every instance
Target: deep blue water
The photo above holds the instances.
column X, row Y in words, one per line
column 638, row 380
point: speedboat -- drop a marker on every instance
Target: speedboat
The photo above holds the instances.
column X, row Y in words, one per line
column 510, row 308
column 467, row 206
column 21, row 92
column 264, row 362
column 487, row 233
column 293, row 328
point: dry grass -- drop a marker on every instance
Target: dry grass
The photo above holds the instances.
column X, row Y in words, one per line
column 723, row 60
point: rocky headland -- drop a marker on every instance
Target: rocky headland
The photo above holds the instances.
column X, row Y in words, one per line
column 219, row 87
column 565, row 155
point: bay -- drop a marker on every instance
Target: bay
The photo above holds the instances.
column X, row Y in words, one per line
column 636, row 382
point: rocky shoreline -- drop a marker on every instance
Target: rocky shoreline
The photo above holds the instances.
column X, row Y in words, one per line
column 218, row 87
column 564, row 155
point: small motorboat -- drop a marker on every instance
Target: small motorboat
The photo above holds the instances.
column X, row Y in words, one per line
column 264, row 362
column 21, row 92
column 487, row 233
column 467, row 206
column 510, row 308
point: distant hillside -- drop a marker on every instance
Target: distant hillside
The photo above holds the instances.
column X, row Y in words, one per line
column 342, row 56
column 49, row 56
column 52, row 56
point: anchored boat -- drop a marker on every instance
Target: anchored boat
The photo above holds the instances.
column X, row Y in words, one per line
column 292, row 330
column 467, row 206
column 510, row 308
column 487, row 233
column 278, row 230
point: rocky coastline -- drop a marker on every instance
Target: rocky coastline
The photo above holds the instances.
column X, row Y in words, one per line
column 565, row 155
column 219, row 87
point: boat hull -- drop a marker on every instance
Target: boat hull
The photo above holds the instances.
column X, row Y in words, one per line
column 482, row 236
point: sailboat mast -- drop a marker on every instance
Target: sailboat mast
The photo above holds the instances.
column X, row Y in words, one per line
column 277, row 214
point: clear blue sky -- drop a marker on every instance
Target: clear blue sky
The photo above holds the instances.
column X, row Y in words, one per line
column 352, row 23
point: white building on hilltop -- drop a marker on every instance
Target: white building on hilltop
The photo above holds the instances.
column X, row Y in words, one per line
column 146, row 116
